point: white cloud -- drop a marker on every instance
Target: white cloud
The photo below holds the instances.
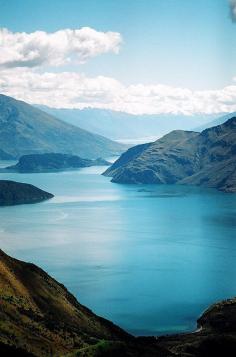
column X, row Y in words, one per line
column 38, row 48
column 23, row 76
column 74, row 90
column 232, row 4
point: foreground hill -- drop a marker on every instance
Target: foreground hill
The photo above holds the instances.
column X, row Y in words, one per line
column 53, row 162
column 182, row 157
column 25, row 129
column 39, row 317
column 15, row 193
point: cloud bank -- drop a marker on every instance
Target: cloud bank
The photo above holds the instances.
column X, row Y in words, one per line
column 39, row 48
column 23, row 75
column 232, row 4
column 74, row 90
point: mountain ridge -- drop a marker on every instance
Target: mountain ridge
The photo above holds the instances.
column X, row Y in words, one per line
column 120, row 125
column 183, row 157
column 25, row 129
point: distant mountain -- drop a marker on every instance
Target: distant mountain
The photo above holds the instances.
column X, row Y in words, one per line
column 206, row 159
column 220, row 120
column 123, row 126
column 25, row 129
column 40, row 318
column 15, row 193
column 52, row 162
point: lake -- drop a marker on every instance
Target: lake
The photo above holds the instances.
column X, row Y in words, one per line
column 149, row 258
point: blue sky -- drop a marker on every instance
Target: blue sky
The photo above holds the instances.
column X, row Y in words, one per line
column 180, row 43
column 177, row 42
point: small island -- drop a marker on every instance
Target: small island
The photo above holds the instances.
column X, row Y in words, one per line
column 53, row 162
column 16, row 193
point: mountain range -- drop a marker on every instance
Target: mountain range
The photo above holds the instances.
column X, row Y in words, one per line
column 183, row 157
column 124, row 126
column 25, row 129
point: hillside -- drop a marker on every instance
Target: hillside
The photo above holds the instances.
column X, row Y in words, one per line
column 15, row 193
column 205, row 159
column 39, row 317
column 52, row 162
column 25, row 129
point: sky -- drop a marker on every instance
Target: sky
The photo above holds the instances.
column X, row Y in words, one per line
column 138, row 56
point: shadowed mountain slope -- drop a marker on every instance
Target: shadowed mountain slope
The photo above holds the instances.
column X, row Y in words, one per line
column 25, row 129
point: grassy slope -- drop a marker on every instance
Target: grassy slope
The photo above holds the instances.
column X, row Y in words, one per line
column 41, row 316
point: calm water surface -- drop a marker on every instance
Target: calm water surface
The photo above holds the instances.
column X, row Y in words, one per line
column 149, row 258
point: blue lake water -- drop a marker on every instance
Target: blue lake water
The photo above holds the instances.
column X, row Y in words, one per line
column 149, row 258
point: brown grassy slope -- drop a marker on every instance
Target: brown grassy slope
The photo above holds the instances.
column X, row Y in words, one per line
column 40, row 316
